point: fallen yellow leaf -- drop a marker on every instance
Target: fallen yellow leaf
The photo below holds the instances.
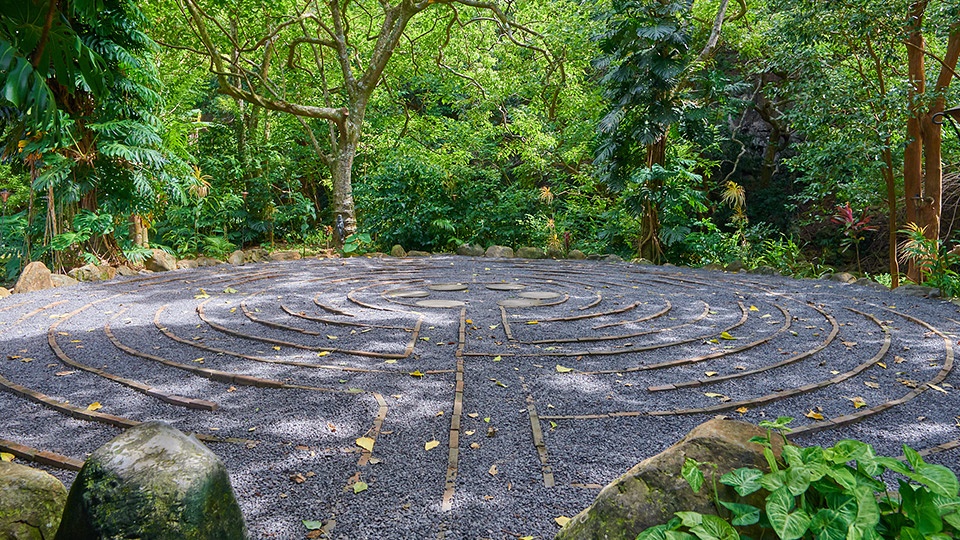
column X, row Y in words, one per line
column 416, row 373
column 754, row 308
column 533, row 322
column 710, row 373
column 562, row 369
column 562, row 520
column 726, row 335
column 937, row 388
column 94, row 406
column 276, row 347
column 858, row 402
column 331, row 337
column 742, row 410
column 366, row 443
column 431, row 445
column 4, row 456
column 390, row 362
column 360, row 486
column 873, row 385
column 323, row 353
column 813, row 414
column 497, row 358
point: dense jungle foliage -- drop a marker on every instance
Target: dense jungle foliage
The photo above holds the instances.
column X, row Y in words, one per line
column 797, row 134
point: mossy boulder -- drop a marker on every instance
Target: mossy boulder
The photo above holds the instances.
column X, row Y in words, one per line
column 31, row 502
column 152, row 482
column 160, row 261
column 470, row 250
column 398, row 251
column 528, row 252
column 499, row 252
column 650, row 492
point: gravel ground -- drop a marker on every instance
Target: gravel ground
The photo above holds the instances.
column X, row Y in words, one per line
column 573, row 346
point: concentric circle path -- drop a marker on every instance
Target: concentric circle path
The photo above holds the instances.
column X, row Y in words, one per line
column 474, row 398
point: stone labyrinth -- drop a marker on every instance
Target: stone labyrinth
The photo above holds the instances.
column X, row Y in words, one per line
column 489, row 396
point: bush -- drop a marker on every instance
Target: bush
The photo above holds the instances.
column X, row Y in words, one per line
column 835, row 493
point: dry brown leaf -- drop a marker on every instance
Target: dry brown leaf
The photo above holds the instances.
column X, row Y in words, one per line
column 873, row 385
column 937, row 388
column 366, row 443
column 742, row 410
column 858, row 402
column 430, row 445
column 493, row 470
column 813, row 414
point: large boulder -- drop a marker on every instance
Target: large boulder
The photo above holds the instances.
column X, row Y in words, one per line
column 126, row 270
column 470, row 250
column 842, row 277
column 499, row 251
column 31, row 502
column 160, row 261
column 35, row 277
column 187, row 263
column 152, row 482
column 528, row 252
column 650, row 492
column 254, row 255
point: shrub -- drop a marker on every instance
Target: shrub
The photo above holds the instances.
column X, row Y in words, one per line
column 834, row 493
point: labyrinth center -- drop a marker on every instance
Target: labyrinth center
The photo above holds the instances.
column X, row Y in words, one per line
column 457, row 387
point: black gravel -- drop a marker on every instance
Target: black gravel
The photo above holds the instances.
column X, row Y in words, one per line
column 301, row 461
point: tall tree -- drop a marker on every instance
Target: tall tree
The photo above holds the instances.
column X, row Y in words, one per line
column 922, row 164
column 339, row 48
column 78, row 95
column 647, row 63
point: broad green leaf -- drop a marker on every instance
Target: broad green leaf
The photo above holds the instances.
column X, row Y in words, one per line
column 690, row 519
column 360, row 486
column 788, row 525
column 917, row 504
column 938, row 478
column 312, row 524
column 829, row 524
column 848, row 450
column 678, row 535
column 743, row 480
column 743, row 514
column 714, row 528
column 909, row 533
column 773, row 481
column 692, row 474
column 657, row 532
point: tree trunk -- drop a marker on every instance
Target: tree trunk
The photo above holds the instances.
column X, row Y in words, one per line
column 913, row 154
column 649, row 244
column 341, row 171
column 891, row 182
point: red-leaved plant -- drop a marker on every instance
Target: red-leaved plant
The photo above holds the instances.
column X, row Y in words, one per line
column 853, row 229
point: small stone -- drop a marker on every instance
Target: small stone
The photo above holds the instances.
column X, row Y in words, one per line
column 499, row 251
column 208, row 261
column 842, row 277
column 594, row 257
column 418, row 253
column 576, row 255
column 254, row 255
column 398, row 251
column 610, row 257
column 5, row 292
column 870, row 284
column 160, row 261
column 765, row 271
column 236, row 258
column 31, row 502
column 470, row 250
column 714, row 267
column 528, row 252
column 919, row 291
column 152, row 481
column 734, row 266
column 61, row 280
column 187, row 263
column 35, row 277
column 284, row 255
column 125, row 270
column 643, row 262
column 553, row 253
